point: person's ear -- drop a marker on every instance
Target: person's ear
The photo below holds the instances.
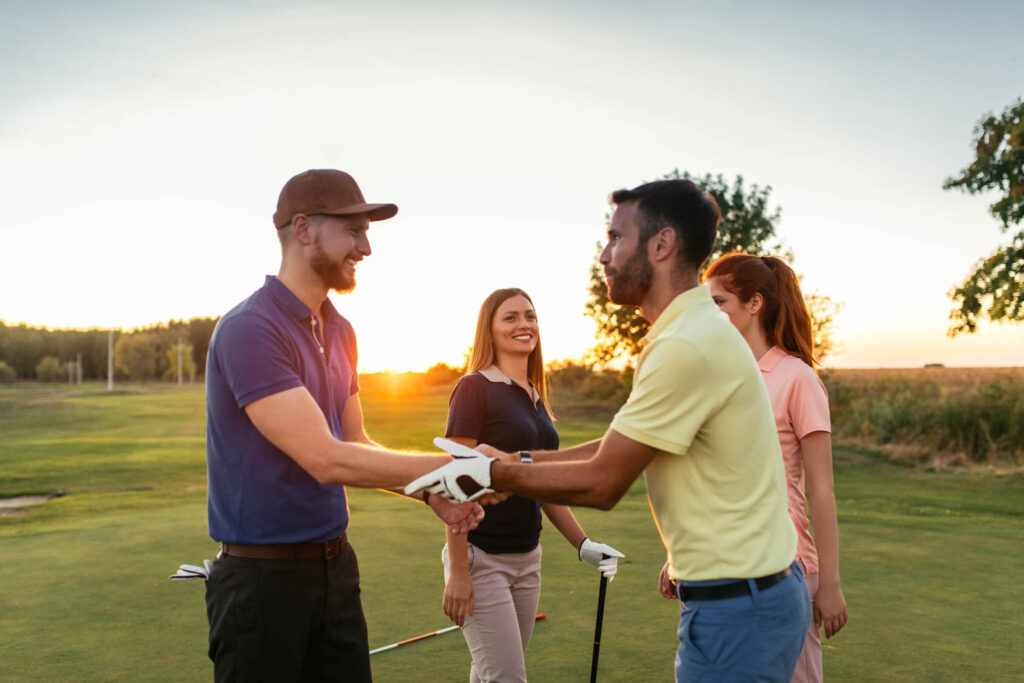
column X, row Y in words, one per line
column 663, row 245
column 756, row 303
column 302, row 226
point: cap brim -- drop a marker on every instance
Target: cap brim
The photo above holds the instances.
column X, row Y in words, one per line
column 375, row 212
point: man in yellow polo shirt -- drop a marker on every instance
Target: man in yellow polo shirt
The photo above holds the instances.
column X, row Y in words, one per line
column 699, row 426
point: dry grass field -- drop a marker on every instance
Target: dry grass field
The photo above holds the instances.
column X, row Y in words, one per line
column 958, row 380
column 938, row 417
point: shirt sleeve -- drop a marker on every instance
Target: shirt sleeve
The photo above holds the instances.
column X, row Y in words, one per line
column 808, row 404
column 254, row 359
column 467, row 409
column 669, row 401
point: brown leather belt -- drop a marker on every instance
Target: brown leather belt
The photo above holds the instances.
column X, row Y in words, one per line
column 286, row 551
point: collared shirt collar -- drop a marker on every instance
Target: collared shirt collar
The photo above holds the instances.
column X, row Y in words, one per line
column 688, row 299
column 771, row 359
column 493, row 374
column 293, row 305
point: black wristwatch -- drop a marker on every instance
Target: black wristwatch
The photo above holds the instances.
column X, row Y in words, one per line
column 525, row 457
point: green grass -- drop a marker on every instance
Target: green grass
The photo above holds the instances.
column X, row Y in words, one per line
column 932, row 562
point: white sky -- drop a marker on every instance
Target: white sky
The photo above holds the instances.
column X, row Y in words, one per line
column 143, row 145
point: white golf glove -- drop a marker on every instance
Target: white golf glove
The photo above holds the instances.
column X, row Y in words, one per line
column 460, row 481
column 602, row 556
column 191, row 571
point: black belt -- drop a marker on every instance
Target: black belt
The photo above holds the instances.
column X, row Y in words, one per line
column 730, row 590
column 286, row 551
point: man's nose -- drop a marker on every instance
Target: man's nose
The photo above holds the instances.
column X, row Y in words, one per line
column 605, row 259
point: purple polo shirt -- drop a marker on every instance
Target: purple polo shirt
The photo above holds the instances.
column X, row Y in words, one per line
column 265, row 345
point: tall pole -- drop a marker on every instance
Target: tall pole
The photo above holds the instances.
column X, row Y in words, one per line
column 179, row 361
column 110, row 361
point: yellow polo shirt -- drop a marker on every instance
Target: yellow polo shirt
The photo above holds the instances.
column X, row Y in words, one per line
column 717, row 486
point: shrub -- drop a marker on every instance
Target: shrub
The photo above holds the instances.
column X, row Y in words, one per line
column 973, row 416
column 49, row 369
column 7, row 373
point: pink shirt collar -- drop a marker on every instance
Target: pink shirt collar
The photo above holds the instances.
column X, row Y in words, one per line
column 771, row 359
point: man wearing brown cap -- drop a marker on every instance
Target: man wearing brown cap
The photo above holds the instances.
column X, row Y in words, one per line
column 284, row 434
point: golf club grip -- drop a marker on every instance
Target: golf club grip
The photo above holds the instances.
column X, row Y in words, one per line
column 597, row 628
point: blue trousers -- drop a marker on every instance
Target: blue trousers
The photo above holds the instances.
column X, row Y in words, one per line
column 754, row 637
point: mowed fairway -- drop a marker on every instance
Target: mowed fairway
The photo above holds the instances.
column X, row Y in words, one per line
column 932, row 563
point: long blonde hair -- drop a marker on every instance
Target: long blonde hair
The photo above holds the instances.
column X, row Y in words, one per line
column 484, row 354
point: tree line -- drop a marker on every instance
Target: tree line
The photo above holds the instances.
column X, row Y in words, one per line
column 144, row 353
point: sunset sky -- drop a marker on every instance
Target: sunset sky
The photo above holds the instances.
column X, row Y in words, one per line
column 143, row 146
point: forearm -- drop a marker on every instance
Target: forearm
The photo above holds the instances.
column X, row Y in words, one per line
column 398, row 490
column 817, row 456
column 598, row 481
column 294, row 423
column 826, row 536
column 565, row 483
column 364, row 466
column 562, row 518
column 583, row 451
column 458, row 552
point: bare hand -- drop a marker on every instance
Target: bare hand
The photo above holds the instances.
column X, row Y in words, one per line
column 830, row 610
column 666, row 585
column 502, row 456
column 492, row 498
column 458, row 598
column 460, row 517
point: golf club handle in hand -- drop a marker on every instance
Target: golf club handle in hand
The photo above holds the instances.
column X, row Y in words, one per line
column 602, row 556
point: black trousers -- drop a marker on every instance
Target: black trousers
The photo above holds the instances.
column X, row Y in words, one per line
column 287, row 620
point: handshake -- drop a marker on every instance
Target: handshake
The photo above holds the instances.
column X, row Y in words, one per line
column 466, row 478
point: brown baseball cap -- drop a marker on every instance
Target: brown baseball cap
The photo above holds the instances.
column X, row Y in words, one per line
column 329, row 192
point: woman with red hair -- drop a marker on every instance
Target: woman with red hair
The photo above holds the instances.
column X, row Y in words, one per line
column 761, row 296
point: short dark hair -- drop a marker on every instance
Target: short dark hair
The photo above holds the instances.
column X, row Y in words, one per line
column 681, row 205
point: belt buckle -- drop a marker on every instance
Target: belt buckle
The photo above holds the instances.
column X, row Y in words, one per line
column 332, row 549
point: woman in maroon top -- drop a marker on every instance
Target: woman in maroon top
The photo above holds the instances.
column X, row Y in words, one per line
column 492, row 578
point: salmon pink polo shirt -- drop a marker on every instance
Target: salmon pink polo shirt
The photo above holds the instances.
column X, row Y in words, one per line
column 800, row 405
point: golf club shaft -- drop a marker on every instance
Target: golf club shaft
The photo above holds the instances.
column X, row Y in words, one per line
column 427, row 635
column 597, row 628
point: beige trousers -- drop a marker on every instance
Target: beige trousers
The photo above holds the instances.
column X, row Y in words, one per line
column 506, row 589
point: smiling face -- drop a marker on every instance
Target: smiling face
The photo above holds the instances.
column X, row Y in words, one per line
column 338, row 244
column 514, row 327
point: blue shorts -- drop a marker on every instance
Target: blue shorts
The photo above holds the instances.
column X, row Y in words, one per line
column 756, row 637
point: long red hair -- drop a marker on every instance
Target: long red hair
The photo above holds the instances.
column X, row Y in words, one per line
column 785, row 319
